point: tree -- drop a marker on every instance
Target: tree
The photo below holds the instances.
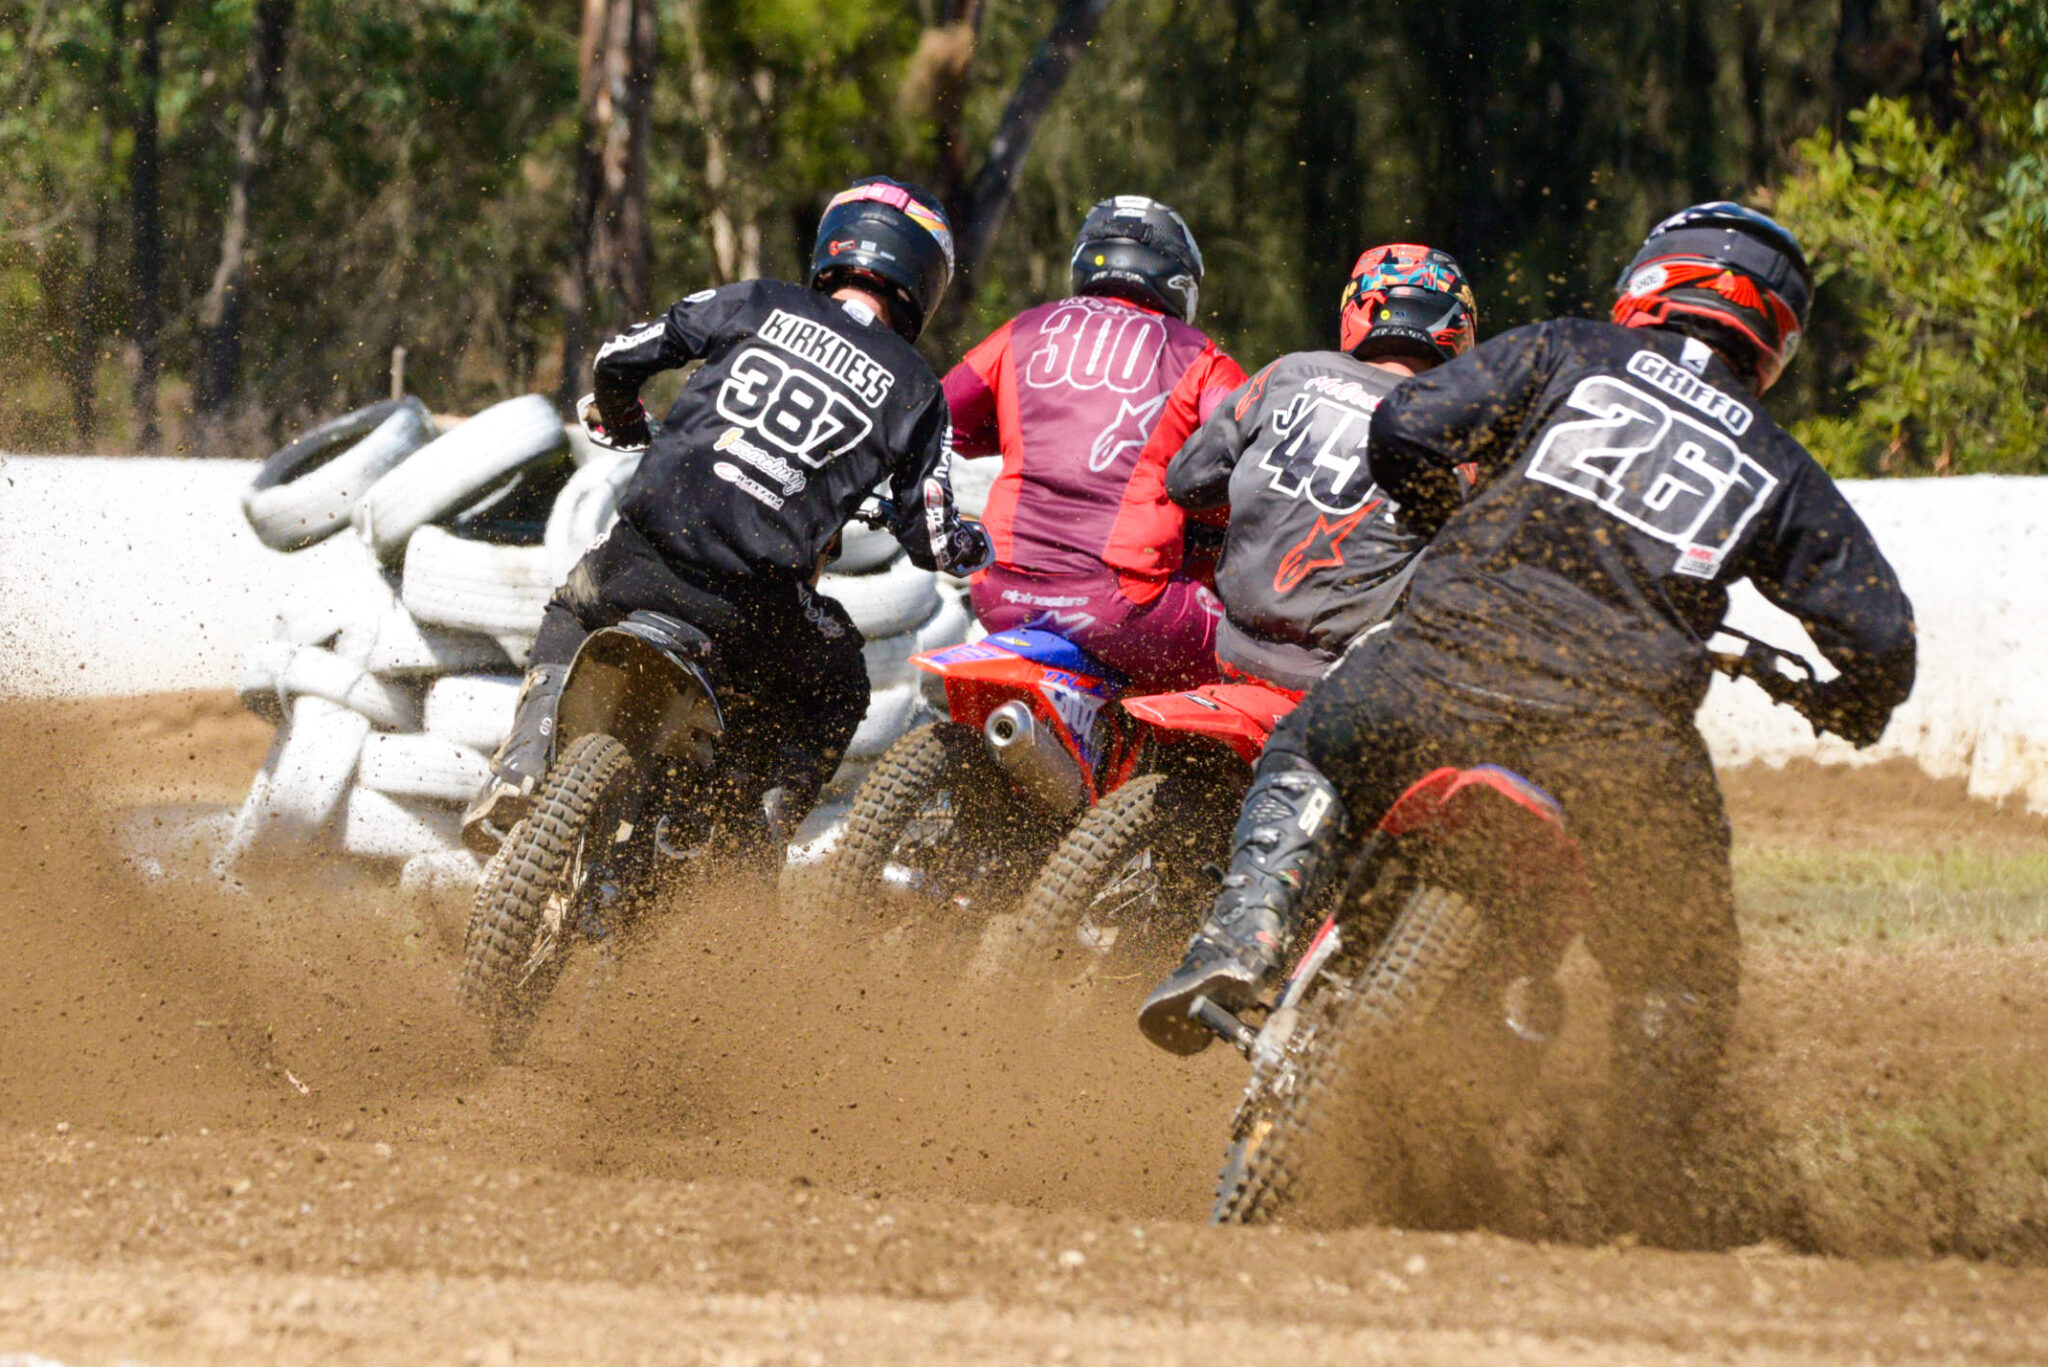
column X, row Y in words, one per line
column 610, row 252
column 220, row 314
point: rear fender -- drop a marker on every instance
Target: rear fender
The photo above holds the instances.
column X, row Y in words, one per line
column 1240, row 716
column 1497, row 836
column 1031, row 666
column 646, row 682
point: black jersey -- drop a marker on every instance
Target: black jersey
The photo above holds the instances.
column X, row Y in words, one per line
column 802, row 406
column 1313, row 556
column 1625, row 477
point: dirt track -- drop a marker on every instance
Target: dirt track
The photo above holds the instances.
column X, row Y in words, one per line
column 805, row 1148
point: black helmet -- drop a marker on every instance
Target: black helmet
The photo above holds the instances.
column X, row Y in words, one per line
column 891, row 237
column 1730, row 276
column 1136, row 248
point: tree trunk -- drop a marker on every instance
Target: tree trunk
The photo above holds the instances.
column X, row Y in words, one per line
column 735, row 228
column 220, row 315
column 611, row 248
column 1853, row 40
column 95, row 298
column 988, row 197
column 1749, row 30
column 145, row 212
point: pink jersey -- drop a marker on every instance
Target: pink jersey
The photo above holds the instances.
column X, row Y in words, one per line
column 1087, row 398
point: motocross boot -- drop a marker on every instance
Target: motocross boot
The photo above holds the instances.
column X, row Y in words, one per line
column 1291, row 819
column 519, row 765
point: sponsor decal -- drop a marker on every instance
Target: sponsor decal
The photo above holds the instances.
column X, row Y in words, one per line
column 1322, row 548
column 1033, row 600
column 733, row 475
column 1077, row 711
column 734, row 441
column 1648, row 280
column 1129, row 431
column 639, row 336
column 1312, row 815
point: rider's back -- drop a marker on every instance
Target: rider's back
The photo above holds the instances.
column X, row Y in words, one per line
column 1313, row 555
column 1626, row 477
column 1086, row 398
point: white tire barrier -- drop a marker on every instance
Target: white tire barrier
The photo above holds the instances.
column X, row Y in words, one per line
column 891, row 712
column 473, row 709
column 946, row 627
column 888, row 660
column 586, row 509
column 395, row 644
column 309, row 489
column 450, row 473
column 278, row 671
column 302, row 783
column 885, row 604
column 474, row 585
column 420, row 764
column 864, row 550
column 377, row 826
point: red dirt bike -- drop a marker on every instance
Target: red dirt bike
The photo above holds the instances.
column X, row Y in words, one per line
column 1130, row 872
column 962, row 812
column 1429, row 987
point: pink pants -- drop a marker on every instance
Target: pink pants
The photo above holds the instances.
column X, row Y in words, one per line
column 1166, row 644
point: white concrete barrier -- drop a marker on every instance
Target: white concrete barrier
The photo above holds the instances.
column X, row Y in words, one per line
column 137, row 575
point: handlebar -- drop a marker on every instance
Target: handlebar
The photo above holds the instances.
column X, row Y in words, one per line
column 1786, row 678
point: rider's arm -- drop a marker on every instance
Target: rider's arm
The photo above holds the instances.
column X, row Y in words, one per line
column 971, row 393
column 1819, row 562
column 1468, row 412
column 642, row 351
column 1198, row 396
column 927, row 523
column 1198, row 476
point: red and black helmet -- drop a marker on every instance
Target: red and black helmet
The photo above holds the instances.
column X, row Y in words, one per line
column 1731, row 277
column 890, row 237
column 1405, row 299
column 1135, row 248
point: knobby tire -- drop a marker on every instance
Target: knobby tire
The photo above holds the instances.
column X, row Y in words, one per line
column 532, row 866
column 1433, row 942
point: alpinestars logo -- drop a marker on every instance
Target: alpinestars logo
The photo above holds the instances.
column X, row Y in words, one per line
column 1131, row 430
column 1322, row 548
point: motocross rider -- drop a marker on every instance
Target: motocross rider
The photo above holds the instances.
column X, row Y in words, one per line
column 808, row 396
column 1313, row 555
column 1625, row 475
column 1086, row 397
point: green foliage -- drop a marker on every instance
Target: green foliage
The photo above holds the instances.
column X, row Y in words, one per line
column 1943, row 281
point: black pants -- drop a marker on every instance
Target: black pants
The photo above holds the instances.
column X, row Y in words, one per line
column 1641, row 802
column 788, row 669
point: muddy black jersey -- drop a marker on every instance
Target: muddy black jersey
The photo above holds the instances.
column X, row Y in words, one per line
column 1313, row 555
column 802, row 406
column 1625, row 477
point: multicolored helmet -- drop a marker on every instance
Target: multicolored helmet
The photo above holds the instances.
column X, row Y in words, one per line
column 891, row 237
column 1407, row 299
column 1732, row 277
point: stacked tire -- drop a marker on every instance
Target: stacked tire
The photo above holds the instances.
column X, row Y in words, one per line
column 392, row 681
column 901, row 610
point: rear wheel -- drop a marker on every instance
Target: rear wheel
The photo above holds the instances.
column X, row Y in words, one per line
column 1433, row 943
column 1127, row 876
column 935, row 823
column 518, row 926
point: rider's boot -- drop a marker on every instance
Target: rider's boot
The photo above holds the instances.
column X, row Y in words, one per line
column 519, row 765
column 1291, row 819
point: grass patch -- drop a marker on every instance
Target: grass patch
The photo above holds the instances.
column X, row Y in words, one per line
column 1860, row 897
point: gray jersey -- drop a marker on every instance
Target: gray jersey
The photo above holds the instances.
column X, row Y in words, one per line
column 1313, row 556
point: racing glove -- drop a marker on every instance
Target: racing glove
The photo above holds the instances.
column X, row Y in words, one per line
column 630, row 431
column 1843, row 707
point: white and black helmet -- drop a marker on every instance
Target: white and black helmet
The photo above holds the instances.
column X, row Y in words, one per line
column 1136, row 248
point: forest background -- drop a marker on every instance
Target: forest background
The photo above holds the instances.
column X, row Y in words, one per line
column 220, row 218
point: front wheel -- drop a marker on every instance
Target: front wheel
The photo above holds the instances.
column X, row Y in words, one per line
column 1433, row 943
column 935, row 823
column 516, row 945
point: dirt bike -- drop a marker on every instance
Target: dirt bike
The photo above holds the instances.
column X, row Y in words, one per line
column 639, row 794
column 961, row 813
column 1447, row 930
column 1133, row 863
